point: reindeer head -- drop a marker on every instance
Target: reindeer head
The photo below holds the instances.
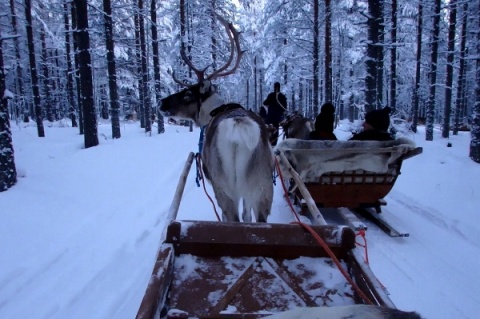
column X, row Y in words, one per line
column 197, row 100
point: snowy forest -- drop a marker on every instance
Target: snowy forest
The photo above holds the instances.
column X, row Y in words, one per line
column 80, row 61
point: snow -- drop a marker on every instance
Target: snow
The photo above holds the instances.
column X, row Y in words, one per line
column 79, row 232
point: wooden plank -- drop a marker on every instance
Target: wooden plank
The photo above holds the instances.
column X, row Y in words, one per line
column 172, row 213
column 282, row 271
column 205, row 238
column 373, row 286
column 160, row 279
column 350, row 219
column 380, row 221
column 234, row 289
column 317, row 216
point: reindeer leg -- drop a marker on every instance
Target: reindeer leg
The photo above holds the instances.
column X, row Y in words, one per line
column 229, row 207
column 247, row 215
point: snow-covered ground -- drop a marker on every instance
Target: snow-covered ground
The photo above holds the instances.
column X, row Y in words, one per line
column 80, row 229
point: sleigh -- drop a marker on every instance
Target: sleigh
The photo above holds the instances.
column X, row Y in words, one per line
column 356, row 175
column 252, row 270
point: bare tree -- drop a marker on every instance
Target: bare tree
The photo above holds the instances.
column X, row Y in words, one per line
column 85, row 70
column 33, row 69
column 450, row 58
column 433, row 73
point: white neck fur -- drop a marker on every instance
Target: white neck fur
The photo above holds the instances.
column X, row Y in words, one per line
column 211, row 103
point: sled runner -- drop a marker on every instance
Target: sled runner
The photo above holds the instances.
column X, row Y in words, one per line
column 353, row 174
column 253, row 270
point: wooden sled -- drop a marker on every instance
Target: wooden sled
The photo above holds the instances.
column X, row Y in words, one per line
column 353, row 174
column 251, row 270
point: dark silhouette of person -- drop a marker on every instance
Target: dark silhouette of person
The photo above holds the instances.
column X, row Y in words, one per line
column 277, row 105
column 263, row 113
column 324, row 123
column 375, row 126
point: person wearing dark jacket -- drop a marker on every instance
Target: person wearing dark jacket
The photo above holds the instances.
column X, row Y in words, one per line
column 263, row 113
column 324, row 123
column 276, row 103
column 375, row 126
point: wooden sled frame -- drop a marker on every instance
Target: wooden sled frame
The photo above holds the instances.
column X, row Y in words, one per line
column 267, row 247
column 271, row 244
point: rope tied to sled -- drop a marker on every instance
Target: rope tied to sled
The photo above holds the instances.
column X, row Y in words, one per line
column 362, row 233
column 321, row 242
column 198, row 159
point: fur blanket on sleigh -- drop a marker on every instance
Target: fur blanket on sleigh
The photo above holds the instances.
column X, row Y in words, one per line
column 311, row 158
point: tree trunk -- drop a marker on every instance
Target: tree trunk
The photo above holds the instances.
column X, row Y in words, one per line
column 77, row 68
column 20, row 96
column 371, row 94
column 156, row 64
column 475, row 141
column 461, row 71
column 138, row 55
column 416, row 91
column 143, row 51
column 33, row 69
column 69, row 75
column 86, row 83
column 450, row 58
column 380, row 22
column 112, row 73
column 433, row 73
column 46, row 79
column 316, row 33
column 393, row 59
column 8, row 172
column 328, row 52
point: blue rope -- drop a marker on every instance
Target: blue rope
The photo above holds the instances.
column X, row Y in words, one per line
column 199, row 154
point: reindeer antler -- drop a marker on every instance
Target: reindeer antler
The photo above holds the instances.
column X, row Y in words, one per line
column 234, row 37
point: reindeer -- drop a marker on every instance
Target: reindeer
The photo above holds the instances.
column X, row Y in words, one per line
column 237, row 157
column 297, row 126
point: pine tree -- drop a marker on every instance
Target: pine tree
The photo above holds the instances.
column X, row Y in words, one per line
column 85, row 70
column 8, row 172
column 433, row 72
column 475, row 141
column 33, row 69
column 111, row 68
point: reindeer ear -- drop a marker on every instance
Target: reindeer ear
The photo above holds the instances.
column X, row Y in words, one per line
column 205, row 87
